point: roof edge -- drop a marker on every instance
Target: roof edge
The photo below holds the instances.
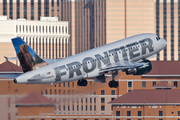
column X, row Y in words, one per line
column 136, row 104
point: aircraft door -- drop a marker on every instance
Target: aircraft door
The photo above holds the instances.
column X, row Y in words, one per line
column 58, row 74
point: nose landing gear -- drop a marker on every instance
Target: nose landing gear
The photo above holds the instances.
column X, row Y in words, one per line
column 82, row 82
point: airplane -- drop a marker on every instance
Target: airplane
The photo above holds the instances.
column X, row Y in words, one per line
column 128, row 55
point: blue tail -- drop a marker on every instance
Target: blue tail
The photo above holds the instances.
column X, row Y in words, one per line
column 29, row 60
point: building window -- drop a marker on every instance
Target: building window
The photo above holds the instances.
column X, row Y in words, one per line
column 46, row 8
column 94, row 107
column 81, row 107
column 18, row 9
column 94, row 100
column 90, row 107
column 64, row 84
column 143, row 84
column 90, row 100
column 4, row 7
column 128, row 113
column 39, row 9
column 160, row 113
column 139, row 113
column 73, row 107
column 86, row 108
column 178, row 113
column 102, row 100
column 129, row 83
column 25, row 9
column 72, row 84
column 175, row 83
column 32, row 9
column 154, row 83
column 68, row 84
column 59, row 84
column 50, row 92
column 112, row 92
column 11, row 9
column 102, row 108
column 117, row 113
column 112, row 99
column 77, row 107
column 102, row 92
column 129, row 90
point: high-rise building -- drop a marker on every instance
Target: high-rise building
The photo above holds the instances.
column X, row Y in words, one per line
column 92, row 23
column 168, row 27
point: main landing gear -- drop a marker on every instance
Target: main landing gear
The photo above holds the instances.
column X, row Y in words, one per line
column 82, row 82
column 113, row 83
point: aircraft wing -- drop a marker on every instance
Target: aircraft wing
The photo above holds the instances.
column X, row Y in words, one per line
column 46, row 60
column 12, row 75
column 120, row 65
column 38, row 77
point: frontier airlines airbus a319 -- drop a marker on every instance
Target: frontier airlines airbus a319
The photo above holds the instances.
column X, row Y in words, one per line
column 129, row 55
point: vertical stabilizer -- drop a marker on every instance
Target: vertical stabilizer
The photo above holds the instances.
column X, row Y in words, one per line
column 28, row 59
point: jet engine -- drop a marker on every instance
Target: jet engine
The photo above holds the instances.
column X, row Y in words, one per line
column 147, row 67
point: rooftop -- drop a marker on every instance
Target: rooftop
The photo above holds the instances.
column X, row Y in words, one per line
column 163, row 85
column 164, row 69
column 34, row 99
column 146, row 97
column 9, row 67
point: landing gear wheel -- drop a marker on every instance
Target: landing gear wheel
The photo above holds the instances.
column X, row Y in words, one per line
column 113, row 83
column 79, row 83
column 82, row 82
column 116, row 84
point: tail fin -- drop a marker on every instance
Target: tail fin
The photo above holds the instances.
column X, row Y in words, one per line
column 29, row 60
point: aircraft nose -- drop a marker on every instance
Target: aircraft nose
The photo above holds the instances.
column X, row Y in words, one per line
column 164, row 43
column 15, row 81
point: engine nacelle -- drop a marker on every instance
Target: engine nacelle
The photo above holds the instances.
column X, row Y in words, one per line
column 147, row 67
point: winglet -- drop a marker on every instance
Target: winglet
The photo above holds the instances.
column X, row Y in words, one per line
column 29, row 60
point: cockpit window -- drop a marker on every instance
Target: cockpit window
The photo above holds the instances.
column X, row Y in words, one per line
column 157, row 38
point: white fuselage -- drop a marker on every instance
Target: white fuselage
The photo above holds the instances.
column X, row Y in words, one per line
column 88, row 64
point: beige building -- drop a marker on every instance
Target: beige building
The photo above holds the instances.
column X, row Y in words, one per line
column 48, row 37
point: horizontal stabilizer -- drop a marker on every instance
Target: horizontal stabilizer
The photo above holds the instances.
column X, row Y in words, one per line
column 50, row 61
column 11, row 76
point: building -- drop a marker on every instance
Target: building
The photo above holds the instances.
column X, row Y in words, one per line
column 168, row 27
column 158, row 104
column 75, row 102
column 33, row 105
column 92, row 23
column 48, row 37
